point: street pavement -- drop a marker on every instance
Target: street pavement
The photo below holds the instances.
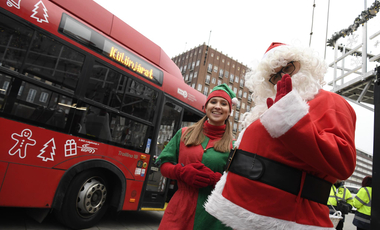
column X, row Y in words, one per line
column 17, row 219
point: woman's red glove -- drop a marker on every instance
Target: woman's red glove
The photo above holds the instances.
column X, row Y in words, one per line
column 284, row 86
column 214, row 178
column 194, row 174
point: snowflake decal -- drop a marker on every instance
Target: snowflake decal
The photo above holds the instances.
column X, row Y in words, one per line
column 352, row 40
column 356, row 61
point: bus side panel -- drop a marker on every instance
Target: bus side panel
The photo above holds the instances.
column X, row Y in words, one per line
column 3, row 169
column 27, row 186
column 133, row 195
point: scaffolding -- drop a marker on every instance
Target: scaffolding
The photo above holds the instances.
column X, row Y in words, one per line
column 361, row 85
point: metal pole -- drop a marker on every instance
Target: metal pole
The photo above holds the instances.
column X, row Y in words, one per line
column 375, row 206
column 364, row 49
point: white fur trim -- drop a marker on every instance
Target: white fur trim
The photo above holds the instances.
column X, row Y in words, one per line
column 237, row 142
column 239, row 218
column 284, row 114
column 234, row 101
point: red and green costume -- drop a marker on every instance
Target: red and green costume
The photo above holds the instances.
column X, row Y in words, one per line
column 185, row 210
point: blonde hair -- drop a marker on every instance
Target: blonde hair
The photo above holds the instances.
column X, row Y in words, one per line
column 194, row 135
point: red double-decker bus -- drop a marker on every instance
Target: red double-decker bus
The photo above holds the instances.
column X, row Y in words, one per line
column 86, row 105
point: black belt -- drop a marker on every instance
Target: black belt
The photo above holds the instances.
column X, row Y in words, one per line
column 281, row 176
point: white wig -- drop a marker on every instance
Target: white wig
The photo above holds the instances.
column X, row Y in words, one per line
column 308, row 81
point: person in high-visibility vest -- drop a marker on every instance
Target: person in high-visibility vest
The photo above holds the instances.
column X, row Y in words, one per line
column 339, row 192
column 362, row 203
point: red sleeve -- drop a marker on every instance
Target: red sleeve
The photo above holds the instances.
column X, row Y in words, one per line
column 325, row 137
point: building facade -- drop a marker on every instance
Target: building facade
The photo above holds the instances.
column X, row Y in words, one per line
column 363, row 169
column 204, row 67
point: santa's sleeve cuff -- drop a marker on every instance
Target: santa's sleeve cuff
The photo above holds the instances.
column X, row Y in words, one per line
column 284, row 114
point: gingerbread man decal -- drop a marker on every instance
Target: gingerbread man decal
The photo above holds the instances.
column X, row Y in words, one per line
column 23, row 140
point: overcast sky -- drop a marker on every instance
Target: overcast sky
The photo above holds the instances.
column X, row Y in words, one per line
column 244, row 29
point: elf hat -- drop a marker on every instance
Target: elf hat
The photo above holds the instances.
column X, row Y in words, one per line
column 225, row 92
column 273, row 47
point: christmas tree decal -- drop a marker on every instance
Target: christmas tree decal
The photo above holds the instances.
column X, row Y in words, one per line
column 48, row 151
column 40, row 12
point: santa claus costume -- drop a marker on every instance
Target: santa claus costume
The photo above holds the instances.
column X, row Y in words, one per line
column 287, row 156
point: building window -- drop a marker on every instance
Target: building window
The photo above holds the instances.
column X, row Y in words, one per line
column 193, row 65
column 191, row 77
column 193, row 86
column 215, row 69
column 238, row 105
column 205, row 90
column 248, row 108
column 233, row 65
column 242, row 83
column 44, row 97
column 249, row 98
column 245, row 94
column 5, row 87
column 236, row 116
column 199, row 87
column 209, row 68
column 242, row 105
column 184, row 68
column 234, row 129
column 220, row 73
column 228, row 63
column 223, row 60
column 226, row 74
column 240, row 93
column 213, row 81
column 235, row 90
column 187, row 77
column 197, row 62
column 219, row 82
column 31, row 95
column 208, row 78
column 232, row 78
column 195, row 74
column 217, row 57
column 236, row 79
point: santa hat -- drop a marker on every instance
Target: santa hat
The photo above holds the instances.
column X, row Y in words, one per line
column 273, row 47
column 225, row 92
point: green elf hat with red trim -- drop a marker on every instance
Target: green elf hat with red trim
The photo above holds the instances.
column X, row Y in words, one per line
column 225, row 92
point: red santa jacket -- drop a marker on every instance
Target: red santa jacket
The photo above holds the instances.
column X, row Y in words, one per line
column 316, row 137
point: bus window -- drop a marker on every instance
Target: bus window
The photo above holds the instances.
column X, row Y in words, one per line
column 54, row 62
column 37, row 104
column 5, row 81
column 98, row 124
column 113, row 89
column 169, row 125
column 14, row 42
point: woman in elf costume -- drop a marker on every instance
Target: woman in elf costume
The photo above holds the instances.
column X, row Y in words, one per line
column 195, row 157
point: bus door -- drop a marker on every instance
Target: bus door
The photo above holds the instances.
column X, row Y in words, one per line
column 160, row 189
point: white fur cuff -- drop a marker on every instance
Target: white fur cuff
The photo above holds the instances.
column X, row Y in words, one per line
column 284, row 114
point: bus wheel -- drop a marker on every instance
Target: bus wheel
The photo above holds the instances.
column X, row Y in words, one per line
column 85, row 201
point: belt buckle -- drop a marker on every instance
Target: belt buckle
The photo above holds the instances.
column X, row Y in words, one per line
column 230, row 158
